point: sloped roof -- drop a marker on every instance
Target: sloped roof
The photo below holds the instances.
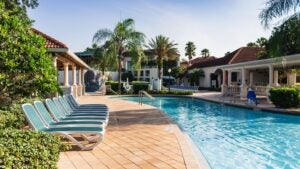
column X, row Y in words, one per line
column 50, row 41
column 243, row 54
column 197, row 60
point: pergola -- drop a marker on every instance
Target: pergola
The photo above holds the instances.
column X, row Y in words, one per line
column 64, row 60
column 261, row 74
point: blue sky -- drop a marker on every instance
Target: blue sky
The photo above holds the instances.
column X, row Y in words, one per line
column 219, row 25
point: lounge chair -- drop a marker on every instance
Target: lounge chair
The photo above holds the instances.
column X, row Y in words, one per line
column 40, row 124
column 69, row 111
column 66, row 103
column 62, row 115
column 45, row 114
column 73, row 100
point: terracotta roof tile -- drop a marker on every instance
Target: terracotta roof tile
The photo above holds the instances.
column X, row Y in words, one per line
column 243, row 54
column 50, row 41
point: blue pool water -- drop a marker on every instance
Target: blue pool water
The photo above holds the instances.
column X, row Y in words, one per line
column 235, row 138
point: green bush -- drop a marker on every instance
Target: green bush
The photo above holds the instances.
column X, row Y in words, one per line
column 285, row 97
column 172, row 92
column 113, row 84
column 29, row 149
column 139, row 85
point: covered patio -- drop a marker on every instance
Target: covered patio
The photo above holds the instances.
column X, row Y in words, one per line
column 70, row 68
column 260, row 75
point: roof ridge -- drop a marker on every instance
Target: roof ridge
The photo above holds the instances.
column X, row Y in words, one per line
column 236, row 54
column 47, row 37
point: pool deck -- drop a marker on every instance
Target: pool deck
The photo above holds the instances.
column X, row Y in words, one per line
column 137, row 136
column 264, row 105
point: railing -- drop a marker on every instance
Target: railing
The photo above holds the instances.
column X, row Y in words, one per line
column 141, row 95
column 231, row 92
column 260, row 90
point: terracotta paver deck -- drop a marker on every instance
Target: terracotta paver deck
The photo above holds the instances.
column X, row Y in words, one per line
column 136, row 137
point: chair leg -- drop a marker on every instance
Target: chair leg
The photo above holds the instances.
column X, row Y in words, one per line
column 83, row 146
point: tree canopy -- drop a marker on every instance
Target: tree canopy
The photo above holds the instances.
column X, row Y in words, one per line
column 190, row 50
column 25, row 67
column 279, row 8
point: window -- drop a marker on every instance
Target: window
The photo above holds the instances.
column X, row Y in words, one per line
column 234, row 76
column 142, row 73
column 147, row 72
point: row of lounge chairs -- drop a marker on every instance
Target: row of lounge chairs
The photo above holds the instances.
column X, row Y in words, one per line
column 66, row 117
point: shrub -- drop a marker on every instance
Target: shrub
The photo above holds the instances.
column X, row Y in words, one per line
column 172, row 92
column 29, row 149
column 126, row 75
column 139, row 85
column 114, row 85
column 12, row 116
column 285, row 97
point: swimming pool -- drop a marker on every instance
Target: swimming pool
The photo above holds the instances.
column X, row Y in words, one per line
column 231, row 137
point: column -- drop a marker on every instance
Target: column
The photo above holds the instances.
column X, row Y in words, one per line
column 66, row 74
column 74, row 80
column 271, row 71
column 79, row 82
column 271, row 75
column 276, row 78
column 251, row 79
column 243, row 85
column 82, row 81
column 224, row 82
column 229, row 78
column 55, row 61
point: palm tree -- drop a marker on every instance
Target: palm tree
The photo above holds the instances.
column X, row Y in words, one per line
column 137, row 57
column 164, row 49
column 190, row 50
column 279, row 8
column 121, row 38
column 205, row 53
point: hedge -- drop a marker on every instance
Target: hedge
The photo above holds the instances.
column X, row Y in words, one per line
column 285, row 97
column 114, row 85
column 139, row 85
column 29, row 149
column 172, row 92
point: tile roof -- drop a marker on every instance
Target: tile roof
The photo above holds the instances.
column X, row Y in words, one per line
column 243, row 54
column 50, row 41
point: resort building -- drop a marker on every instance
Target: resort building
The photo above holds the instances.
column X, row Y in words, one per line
column 212, row 72
column 261, row 74
column 70, row 68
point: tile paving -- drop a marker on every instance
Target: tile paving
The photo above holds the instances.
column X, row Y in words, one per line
column 136, row 137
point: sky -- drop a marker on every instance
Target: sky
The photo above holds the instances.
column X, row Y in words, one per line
column 219, row 25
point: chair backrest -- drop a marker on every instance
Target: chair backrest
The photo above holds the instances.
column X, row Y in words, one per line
column 65, row 104
column 72, row 98
column 42, row 110
column 53, row 109
column 62, row 108
column 33, row 117
column 71, row 102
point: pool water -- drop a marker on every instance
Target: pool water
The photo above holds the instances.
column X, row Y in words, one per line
column 235, row 138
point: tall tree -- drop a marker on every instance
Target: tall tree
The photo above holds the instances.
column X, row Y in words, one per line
column 25, row 67
column 190, row 50
column 122, row 37
column 105, row 58
column 285, row 39
column 205, row 53
column 164, row 49
column 262, row 42
column 279, row 8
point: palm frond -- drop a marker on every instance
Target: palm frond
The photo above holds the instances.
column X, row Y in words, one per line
column 277, row 8
column 102, row 35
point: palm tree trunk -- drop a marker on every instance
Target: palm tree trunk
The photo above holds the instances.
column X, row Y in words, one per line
column 119, row 73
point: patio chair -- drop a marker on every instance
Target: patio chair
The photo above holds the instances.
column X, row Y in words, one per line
column 74, row 101
column 65, row 107
column 67, row 101
column 39, row 124
column 63, row 115
column 46, row 115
